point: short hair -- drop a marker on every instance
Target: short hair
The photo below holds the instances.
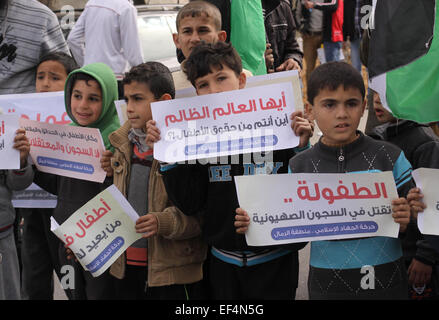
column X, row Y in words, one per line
column 155, row 75
column 207, row 55
column 331, row 75
column 67, row 61
column 197, row 9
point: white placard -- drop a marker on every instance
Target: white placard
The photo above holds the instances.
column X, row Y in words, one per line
column 287, row 208
column 9, row 157
column 226, row 123
column 100, row 231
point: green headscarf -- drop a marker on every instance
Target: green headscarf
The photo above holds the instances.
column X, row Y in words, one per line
column 108, row 120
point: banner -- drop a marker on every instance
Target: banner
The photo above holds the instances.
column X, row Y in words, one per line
column 100, row 231
column 426, row 180
column 66, row 150
column 287, row 208
column 226, row 123
column 9, row 157
column 403, row 62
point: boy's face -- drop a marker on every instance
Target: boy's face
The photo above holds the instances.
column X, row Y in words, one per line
column 51, row 76
column 86, row 102
column 383, row 115
column 138, row 98
column 193, row 30
column 338, row 114
column 220, row 80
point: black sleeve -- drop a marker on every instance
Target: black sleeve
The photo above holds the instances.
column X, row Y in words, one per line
column 46, row 181
column 328, row 7
column 292, row 48
column 186, row 185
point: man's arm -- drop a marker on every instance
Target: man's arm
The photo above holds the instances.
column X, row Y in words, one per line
column 130, row 37
column 76, row 39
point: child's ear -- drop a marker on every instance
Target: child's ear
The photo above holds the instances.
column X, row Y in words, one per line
column 165, row 96
column 222, row 36
column 242, row 80
column 175, row 38
column 308, row 109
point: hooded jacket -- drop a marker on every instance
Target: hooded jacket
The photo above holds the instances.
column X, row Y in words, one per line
column 74, row 193
column 108, row 120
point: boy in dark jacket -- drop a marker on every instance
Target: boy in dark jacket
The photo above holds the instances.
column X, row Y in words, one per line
column 237, row 271
column 421, row 148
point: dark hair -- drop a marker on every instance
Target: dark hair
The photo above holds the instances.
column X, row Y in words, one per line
column 197, row 9
column 331, row 75
column 82, row 76
column 67, row 61
column 155, row 75
column 207, row 55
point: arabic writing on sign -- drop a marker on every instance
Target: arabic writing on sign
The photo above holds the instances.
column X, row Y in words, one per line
column 314, row 214
column 49, row 119
column 316, row 230
column 231, row 109
column 90, row 220
column 108, row 252
column 343, row 192
column 62, row 134
column 64, row 148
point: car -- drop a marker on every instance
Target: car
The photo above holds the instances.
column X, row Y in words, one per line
column 156, row 24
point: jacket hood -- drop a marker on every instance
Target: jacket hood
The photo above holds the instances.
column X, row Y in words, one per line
column 108, row 120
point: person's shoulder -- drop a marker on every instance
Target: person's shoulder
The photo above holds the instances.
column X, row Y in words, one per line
column 34, row 6
column 375, row 145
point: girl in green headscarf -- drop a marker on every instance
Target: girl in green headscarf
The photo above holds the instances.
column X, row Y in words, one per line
column 89, row 94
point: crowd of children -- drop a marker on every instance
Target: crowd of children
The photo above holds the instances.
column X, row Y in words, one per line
column 193, row 245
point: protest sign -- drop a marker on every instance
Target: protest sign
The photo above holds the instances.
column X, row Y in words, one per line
column 33, row 197
column 45, row 107
column 291, row 76
column 100, row 231
column 66, row 150
column 9, row 157
column 287, row 208
column 426, row 180
column 226, row 123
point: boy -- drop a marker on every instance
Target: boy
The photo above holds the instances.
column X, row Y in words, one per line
column 12, row 180
column 197, row 21
column 89, row 96
column 236, row 270
column 40, row 245
column 167, row 262
column 336, row 102
column 421, row 147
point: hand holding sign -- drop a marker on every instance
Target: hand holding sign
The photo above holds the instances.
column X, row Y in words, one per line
column 21, row 143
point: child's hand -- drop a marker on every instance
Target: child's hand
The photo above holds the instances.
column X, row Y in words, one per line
column 106, row 162
column 302, row 127
column 242, row 221
column 70, row 254
column 401, row 213
column 152, row 133
column 414, row 197
column 21, row 143
column 148, row 225
column 419, row 273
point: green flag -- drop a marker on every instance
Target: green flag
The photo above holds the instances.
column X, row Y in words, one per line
column 404, row 58
column 248, row 34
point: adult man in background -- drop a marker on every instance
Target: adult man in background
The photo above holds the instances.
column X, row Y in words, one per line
column 28, row 30
column 107, row 32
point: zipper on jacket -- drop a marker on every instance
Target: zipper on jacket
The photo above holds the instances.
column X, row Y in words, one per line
column 341, row 161
column 244, row 259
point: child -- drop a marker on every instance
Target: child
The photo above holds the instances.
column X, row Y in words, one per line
column 12, row 180
column 89, row 96
column 236, row 270
column 421, row 147
column 196, row 21
column 40, row 245
column 167, row 262
column 336, row 102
